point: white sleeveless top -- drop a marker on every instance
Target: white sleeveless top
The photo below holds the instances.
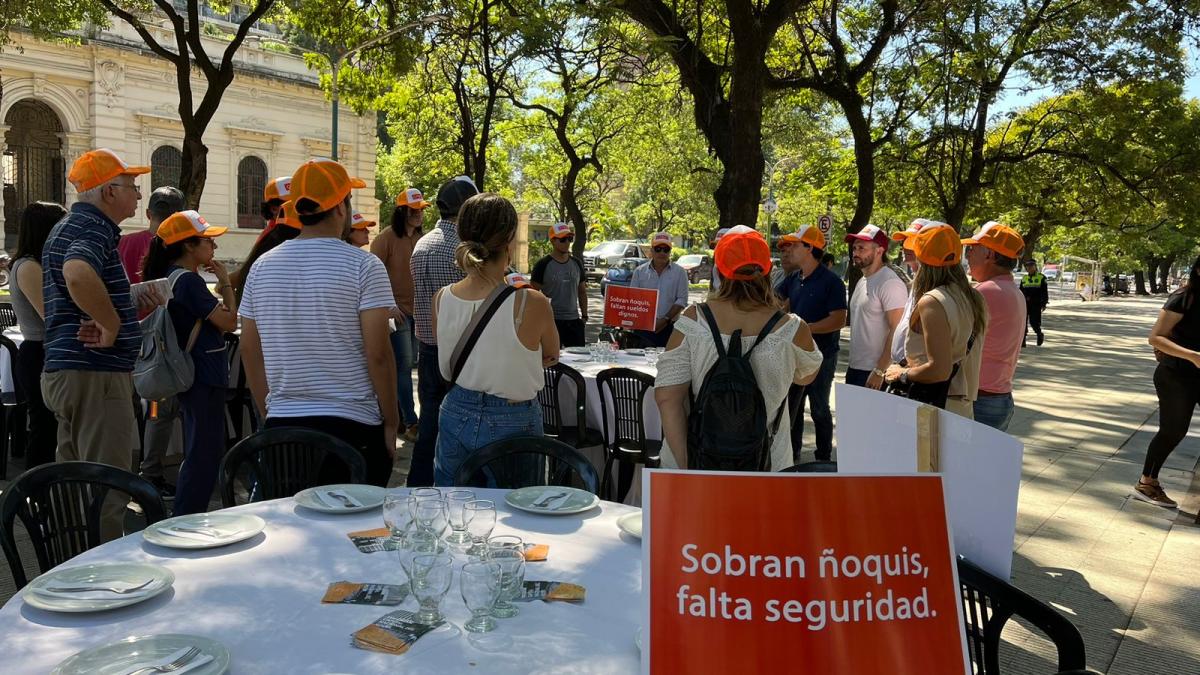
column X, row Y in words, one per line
column 958, row 314
column 499, row 365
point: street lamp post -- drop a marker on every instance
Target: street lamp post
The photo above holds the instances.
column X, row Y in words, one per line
column 335, row 62
column 771, row 193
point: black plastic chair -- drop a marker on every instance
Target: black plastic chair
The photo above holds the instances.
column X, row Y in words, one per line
column 989, row 602
column 628, row 445
column 59, row 505
column 8, row 315
column 238, row 399
column 280, row 462
column 811, row 467
column 523, row 461
column 580, row 435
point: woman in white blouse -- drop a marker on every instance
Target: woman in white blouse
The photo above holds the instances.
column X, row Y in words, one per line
column 744, row 301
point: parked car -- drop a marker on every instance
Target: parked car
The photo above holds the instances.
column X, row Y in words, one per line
column 607, row 254
column 1068, row 277
column 697, row 266
column 619, row 274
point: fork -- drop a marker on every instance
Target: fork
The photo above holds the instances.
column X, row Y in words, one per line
column 81, row 589
column 172, row 666
column 342, row 498
column 206, row 531
column 546, row 502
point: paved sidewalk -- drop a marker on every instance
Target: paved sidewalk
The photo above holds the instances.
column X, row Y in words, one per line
column 1123, row 571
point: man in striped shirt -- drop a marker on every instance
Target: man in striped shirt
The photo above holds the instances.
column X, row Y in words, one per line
column 433, row 267
column 315, row 349
column 92, row 333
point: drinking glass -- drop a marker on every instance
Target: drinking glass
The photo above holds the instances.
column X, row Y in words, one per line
column 431, row 577
column 431, row 517
column 421, row 494
column 480, row 518
column 397, row 515
column 455, row 501
column 509, row 541
column 512, row 569
column 479, row 583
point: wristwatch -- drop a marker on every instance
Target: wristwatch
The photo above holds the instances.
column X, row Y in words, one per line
column 904, row 377
column 877, row 373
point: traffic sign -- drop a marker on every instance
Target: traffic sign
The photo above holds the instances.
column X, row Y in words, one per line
column 825, row 224
column 770, row 206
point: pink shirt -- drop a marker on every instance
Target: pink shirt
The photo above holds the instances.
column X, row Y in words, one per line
column 1006, row 328
column 132, row 248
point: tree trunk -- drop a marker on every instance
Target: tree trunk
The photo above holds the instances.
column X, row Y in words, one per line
column 1032, row 237
column 1139, row 282
column 864, row 162
column 193, row 167
column 1164, row 271
column 1150, row 264
column 571, row 205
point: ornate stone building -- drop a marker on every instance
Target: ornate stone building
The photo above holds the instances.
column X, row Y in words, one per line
column 109, row 90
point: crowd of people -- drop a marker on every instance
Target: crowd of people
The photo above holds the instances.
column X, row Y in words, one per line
column 338, row 356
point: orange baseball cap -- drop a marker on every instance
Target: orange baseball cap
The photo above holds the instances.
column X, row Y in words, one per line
column 807, row 234
column 185, row 225
column 323, row 181
column 412, row 198
column 998, row 237
column 936, row 245
column 359, row 222
column 96, row 167
column 288, row 216
column 560, row 230
column 737, row 250
column 278, row 189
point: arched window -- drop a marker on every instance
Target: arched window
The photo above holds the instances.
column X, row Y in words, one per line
column 252, row 179
column 165, row 166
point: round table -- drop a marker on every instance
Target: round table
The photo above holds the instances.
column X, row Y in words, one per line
column 262, row 599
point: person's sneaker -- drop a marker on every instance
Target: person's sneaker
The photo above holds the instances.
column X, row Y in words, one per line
column 410, row 434
column 1041, row 338
column 1153, row 494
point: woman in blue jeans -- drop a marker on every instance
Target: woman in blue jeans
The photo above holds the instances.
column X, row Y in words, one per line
column 494, row 395
column 184, row 244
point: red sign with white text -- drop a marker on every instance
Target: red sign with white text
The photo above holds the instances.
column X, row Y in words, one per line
column 630, row 308
column 799, row 573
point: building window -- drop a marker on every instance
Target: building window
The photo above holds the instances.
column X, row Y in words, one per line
column 252, row 180
column 166, row 164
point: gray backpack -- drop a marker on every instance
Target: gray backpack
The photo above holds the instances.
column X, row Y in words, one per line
column 163, row 369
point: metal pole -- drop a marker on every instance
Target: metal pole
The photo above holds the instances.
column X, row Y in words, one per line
column 337, row 62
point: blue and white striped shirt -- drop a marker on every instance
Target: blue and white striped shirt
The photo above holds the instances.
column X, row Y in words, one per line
column 305, row 296
column 86, row 234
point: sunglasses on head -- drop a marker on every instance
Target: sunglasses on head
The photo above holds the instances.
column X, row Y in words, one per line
column 662, row 249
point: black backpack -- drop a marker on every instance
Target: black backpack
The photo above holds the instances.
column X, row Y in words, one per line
column 728, row 424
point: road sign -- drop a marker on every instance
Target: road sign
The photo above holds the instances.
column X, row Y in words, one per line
column 825, row 224
column 770, row 206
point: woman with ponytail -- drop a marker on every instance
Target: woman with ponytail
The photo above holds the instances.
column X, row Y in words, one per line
column 183, row 244
column 494, row 395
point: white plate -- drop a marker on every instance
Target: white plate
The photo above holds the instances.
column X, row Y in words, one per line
column 232, row 528
column 121, row 657
column 103, row 574
column 575, row 501
column 631, row 524
column 582, row 351
column 369, row 496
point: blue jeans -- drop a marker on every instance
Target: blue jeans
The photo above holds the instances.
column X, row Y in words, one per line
column 431, row 391
column 203, row 409
column 404, row 346
column 994, row 411
column 817, row 395
column 471, row 420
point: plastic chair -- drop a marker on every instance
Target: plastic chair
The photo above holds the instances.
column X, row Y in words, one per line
column 59, row 505
column 578, row 436
column 628, row 445
column 238, row 399
column 811, row 467
column 280, row 462
column 989, row 602
column 8, row 316
column 523, row 461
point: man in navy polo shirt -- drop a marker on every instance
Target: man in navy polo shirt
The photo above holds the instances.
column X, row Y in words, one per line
column 818, row 296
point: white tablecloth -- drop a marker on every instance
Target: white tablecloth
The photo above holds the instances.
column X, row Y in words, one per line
column 589, row 370
column 262, row 600
column 6, row 365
